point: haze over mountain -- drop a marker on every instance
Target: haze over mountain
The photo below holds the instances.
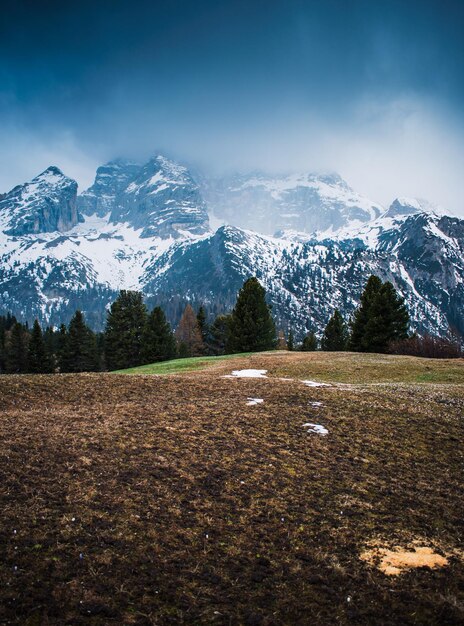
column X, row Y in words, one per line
column 302, row 202
column 374, row 93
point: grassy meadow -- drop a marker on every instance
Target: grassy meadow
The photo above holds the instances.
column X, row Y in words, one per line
column 171, row 499
column 332, row 367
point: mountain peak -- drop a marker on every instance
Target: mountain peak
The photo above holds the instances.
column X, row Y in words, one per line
column 110, row 180
column 405, row 206
column 51, row 171
column 163, row 200
column 159, row 197
column 45, row 204
column 175, row 170
column 330, row 178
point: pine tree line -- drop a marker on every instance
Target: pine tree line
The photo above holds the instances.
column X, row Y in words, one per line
column 36, row 351
column 134, row 336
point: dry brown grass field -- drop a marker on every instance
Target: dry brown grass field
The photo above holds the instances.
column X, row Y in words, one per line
column 169, row 500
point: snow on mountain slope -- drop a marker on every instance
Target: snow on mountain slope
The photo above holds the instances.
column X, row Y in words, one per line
column 53, row 267
column 410, row 206
column 159, row 197
column 384, row 226
column 154, row 236
column 49, row 261
column 300, row 202
column 115, row 246
column 305, row 281
column 46, row 204
column 420, row 249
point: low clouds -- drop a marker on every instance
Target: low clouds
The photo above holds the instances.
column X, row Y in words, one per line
column 376, row 95
column 24, row 154
column 404, row 147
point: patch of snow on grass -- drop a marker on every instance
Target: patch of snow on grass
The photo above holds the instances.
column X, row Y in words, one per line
column 313, row 383
column 253, row 401
column 248, row 374
column 316, row 428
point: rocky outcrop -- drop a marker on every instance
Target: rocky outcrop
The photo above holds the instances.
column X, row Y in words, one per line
column 46, row 204
column 110, row 181
column 159, row 198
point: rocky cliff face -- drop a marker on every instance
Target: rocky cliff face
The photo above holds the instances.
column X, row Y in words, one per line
column 110, row 181
column 160, row 198
column 46, row 204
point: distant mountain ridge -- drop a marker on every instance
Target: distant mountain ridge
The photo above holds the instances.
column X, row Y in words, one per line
column 299, row 202
column 145, row 226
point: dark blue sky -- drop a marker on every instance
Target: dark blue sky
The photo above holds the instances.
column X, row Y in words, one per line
column 374, row 90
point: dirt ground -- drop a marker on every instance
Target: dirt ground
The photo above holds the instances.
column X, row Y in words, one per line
column 168, row 500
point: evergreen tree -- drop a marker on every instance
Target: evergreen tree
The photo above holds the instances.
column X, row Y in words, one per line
column 219, row 333
column 124, row 328
column 6, row 322
column 16, row 344
column 158, row 343
column 50, row 337
column 100, row 339
column 309, row 342
column 203, row 325
column 388, row 320
column 251, row 326
column 2, row 350
column 62, row 354
column 291, row 341
column 38, row 358
column 188, row 334
column 335, row 336
column 81, row 346
column 362, row 314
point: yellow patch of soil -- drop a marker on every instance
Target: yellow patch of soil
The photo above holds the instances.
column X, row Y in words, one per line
column 396, row 561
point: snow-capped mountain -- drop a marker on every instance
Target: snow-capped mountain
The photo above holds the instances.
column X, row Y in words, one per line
column 46, row 204
column 370, row 232
column 297, row 202
column 306, row 281
column 402, row 207
column 159, row 197
column 130, row 215
column 146, row 227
